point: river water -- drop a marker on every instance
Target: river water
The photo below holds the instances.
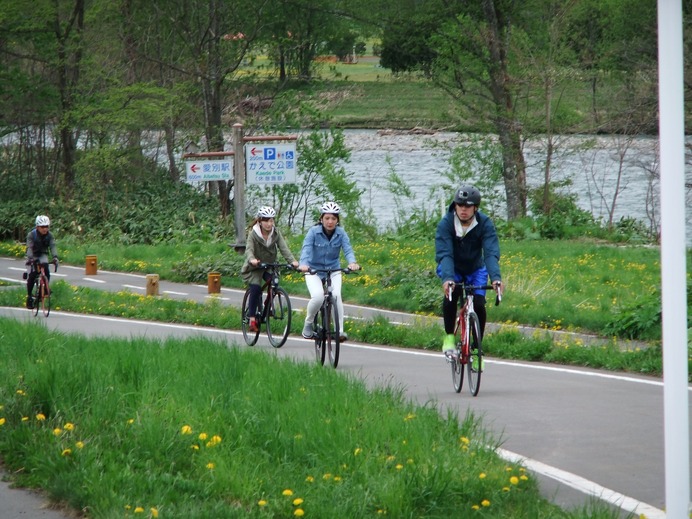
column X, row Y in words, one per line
column 592, row 163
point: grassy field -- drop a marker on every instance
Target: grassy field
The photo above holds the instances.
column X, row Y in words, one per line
column 192, row 429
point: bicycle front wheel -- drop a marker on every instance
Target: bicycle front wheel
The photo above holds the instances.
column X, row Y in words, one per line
column 475, row 364
column 279, row 318
column 36, row 296
column 320, row 335
column 44, row 289
column 249, row 336
column 333, row 338
column 457, row 369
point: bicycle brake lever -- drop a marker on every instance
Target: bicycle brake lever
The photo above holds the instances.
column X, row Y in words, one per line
column 498, row 298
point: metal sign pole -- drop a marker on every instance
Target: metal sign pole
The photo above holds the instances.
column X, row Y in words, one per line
column 673, row 269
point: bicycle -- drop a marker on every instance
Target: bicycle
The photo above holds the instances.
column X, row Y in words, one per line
column 274, row 311
column 40, row 294
column 326, row 325
column 469, row 347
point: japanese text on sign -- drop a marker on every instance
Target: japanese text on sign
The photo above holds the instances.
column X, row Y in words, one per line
column 204, row 170
column 270, row 164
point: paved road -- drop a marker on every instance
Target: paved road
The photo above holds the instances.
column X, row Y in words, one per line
column 584, row 432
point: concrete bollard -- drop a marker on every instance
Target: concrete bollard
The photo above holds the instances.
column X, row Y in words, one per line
column 91, row 265
column 152, row 284
column 214, row 283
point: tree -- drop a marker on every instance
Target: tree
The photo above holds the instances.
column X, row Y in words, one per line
column 473, row 64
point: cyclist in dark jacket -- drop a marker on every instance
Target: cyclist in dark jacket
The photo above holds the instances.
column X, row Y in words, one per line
column 39, row 242
column 466, row 248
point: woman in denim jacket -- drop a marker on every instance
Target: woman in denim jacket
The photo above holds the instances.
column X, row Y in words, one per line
column 322, row 249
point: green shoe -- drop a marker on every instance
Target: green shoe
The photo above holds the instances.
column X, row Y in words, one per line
column 449, row 343
column 474, row 363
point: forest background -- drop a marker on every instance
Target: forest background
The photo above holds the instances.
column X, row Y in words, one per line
column 100, row 100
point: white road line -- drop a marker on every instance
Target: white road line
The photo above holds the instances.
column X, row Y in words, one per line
column 585, row 486
column 175, row 293
column 94, row 280
column 133, row 286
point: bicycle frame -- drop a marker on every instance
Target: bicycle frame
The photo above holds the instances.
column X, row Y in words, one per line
column 274, row 307
column 468, row 350
column 326, row 325
column 41, row 292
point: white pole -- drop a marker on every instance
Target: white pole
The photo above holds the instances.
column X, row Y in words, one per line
column 673, row 267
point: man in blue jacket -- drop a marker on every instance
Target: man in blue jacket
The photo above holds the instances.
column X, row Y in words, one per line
column 466, row 248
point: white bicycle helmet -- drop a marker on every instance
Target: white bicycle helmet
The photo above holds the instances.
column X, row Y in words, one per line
column 330, row 207
column 42, row 221
column 266, row 212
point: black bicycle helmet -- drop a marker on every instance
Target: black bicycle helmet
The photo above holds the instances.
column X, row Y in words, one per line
column 467, row 195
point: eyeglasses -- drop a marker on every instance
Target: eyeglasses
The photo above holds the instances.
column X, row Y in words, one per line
column 43, row 227
column 266, row 219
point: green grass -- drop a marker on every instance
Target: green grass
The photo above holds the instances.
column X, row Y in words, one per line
column 557, row 285
column 192, row 429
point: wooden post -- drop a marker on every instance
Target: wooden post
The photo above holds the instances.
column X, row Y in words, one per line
column 152, row 284
column 214, row 283
column 239, row 187
column 91, row 265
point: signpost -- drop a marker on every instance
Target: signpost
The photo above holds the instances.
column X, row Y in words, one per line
column 270, row 164
column 208, row 170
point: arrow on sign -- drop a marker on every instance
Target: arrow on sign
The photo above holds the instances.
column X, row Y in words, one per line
column 253, row 151
column 194, row 168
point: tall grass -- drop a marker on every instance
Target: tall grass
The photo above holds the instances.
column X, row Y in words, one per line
column 195, row 429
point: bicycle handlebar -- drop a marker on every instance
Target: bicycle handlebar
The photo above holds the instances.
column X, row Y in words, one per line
column 471, row 288
column 276, row 265
column 35, row 263
column 329, row 271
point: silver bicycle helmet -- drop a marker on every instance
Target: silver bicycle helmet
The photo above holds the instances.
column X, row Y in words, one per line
column 330, row 207
column 42, row 221
column 266, row 212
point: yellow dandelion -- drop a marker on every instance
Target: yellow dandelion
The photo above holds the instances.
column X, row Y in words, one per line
column 357, row 451
column 337, row 478
column 20, row 392
column 475, row 507
column 186, row 429
column 67, row 452
column 482, row 475
column 154, row 512
column 194, row 447
column 287, row 492
column 297, row 501
column 131, row 421
column 299, row 512
column 2, row 421
column 505, row 489
column 399, row 466
column 79, row 445
column 69, row 426
column 310, row 479
column 327, row 476
column 514, row 480
column 524, row 477
column 57, row 431
column 202, row 436
column 409, row 416
column 485, row 502
column 211, row 466
column 262, row 502
column 40, row 417
column 139, row 510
